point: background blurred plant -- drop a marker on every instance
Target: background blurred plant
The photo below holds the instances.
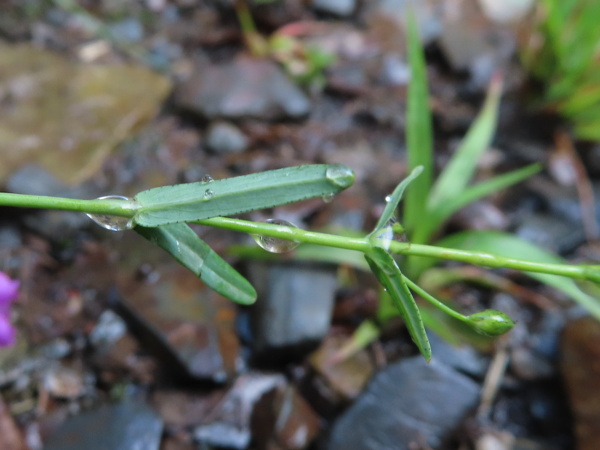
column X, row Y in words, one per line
column 303, row 62
column 562, row 51
column 429, row 204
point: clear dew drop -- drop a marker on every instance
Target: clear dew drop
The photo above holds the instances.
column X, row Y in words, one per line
column 276, row 245
column 328, row 198
column 207, row 179
column 393, row 231
column 388, row 198
column 209, row 193
column 113, row 223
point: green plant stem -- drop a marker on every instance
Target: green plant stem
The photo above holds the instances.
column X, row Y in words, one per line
column 591, row 273
column 431, row 299
column 112, row 207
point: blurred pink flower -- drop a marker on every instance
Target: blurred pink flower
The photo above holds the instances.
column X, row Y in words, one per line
column 9, row 291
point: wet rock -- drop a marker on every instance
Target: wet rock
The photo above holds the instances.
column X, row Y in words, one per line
column 185, row 323
column 550, row 231
column 294, row 308
column 580, row 348
column 408, row 403
column 64, row 382
column 67, row 116
column 535, row 355
column 394, row 12
column 346, row 378
column 225, row 138
column 264, row 410
column 245, row 87
column 184, row 409
column 108, row 330
column 471, row 42
column 131, row 425
column 464, row 359
column 342, row 8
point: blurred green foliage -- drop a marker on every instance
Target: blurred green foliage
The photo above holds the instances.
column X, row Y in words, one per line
column 562, row 51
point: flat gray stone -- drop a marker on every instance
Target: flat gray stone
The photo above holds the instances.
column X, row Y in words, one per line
column 225, row 138
column 242, row 88
column 407, row 402
column 294, row 307
column 127, row 425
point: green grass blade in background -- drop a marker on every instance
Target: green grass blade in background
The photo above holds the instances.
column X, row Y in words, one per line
column 461, row 168
column 196, row 201
column 193, row 253
column 437, row 217
column 510, row 246
column 393, row 200
column 419, row 132
column 388, row 273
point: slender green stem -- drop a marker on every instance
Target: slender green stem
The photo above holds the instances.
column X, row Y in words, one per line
column 591, row 273
column 112, row 207
column 431, row 299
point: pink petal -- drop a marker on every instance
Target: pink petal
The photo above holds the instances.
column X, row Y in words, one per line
column 9, row 290
column 7, row 332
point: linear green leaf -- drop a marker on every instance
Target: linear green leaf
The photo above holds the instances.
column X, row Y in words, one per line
column 388, row 273
column 439, row 215
column 393, row 200
column 507, row 245
column 459, row 171
column 195, row 254
column 196, row 201
column 419, row 134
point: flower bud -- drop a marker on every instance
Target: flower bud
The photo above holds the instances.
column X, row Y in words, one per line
column 491, row 322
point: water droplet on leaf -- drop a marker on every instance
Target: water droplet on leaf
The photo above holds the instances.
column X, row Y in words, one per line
column 327, row 198
column 207, row 179
column 276, row 245
column 209, row 193
column 388, row 198
column 113, row 223
column 340, row 175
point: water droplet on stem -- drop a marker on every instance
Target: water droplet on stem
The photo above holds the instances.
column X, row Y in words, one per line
column 113, row 223
column 276, row 245
column 209, row 193
column 207, row 179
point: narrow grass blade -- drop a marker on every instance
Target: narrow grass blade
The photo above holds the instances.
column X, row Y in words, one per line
column 459, row 171
column 389, row 275
column 507, row 245
column 439, row 215
column 419, row 133
column 192, row 252
column 393, row 201
column 196, row 201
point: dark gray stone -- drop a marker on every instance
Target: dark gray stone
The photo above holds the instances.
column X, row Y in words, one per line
column 552, row 232
column 407, row 402
column 342, row 8
column 464, row 358
column 294, row 306
column 245, row 87
column 128, row 425
column 225, row 138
